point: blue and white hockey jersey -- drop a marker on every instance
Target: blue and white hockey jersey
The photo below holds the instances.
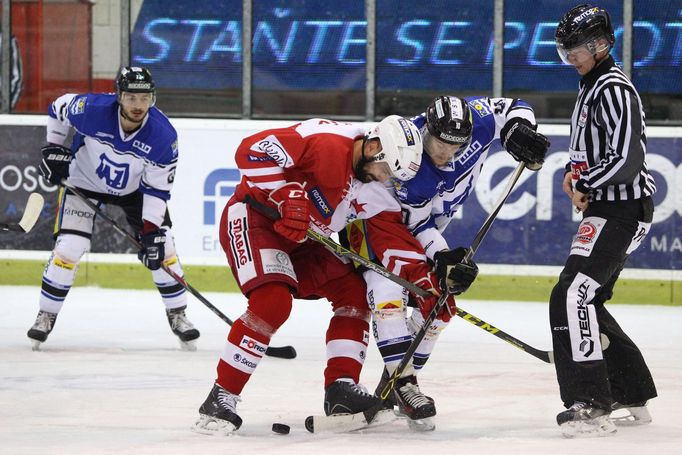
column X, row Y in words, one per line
column 106, row 160
column 435, row 194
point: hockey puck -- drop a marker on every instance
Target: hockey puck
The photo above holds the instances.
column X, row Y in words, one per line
column 280, row 428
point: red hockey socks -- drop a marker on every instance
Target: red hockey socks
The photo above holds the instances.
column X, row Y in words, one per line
column 269, row 307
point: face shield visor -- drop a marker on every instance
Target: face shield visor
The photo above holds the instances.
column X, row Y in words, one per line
column 581, row 52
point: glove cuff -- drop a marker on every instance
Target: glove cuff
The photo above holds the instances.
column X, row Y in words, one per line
column 148, row 226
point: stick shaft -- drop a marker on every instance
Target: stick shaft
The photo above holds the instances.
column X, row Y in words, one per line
column 283, row 352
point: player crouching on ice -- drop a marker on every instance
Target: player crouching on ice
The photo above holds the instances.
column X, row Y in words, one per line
column 320, row 174
column 458, row 133
column 124, row 153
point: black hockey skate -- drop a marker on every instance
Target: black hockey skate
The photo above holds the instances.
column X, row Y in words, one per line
column 413, row 404
column 182, row 328
column 583, row 420
column 41, row 328
column 630, row 414
column 217, row 415
column 344, row 396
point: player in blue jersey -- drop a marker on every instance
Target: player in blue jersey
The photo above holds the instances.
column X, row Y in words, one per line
column 124, row 153
column 457, row 135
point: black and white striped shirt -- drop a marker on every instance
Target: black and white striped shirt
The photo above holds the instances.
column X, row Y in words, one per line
column 608, row 140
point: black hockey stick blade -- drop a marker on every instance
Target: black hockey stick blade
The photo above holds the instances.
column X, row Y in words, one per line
column 284, row 352
column 32, row 210
column 281, row 352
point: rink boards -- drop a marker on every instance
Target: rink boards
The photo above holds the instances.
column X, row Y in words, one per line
column 534, row 228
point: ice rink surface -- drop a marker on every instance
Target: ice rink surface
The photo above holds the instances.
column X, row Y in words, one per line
column 111, row 379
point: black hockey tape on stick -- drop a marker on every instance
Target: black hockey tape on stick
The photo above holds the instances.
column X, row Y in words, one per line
column 282, row 352
column 545, row 356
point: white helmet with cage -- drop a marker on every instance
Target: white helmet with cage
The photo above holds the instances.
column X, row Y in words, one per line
column 401, row 146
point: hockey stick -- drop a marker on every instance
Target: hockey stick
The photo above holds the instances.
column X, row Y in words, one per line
column 282, row 352
column 545, row 356
column 371, row 413
column 34, row 206
column 359, row 420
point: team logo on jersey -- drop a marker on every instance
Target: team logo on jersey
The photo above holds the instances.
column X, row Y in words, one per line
column 115, row 175
column 320, row 202
column 275, row 150
column 142, row 147
column 582, row 119
column 174, row 148
column 78, row 106
column 481, row 109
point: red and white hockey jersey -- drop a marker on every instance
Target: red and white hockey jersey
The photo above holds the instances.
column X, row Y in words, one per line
column 319, row 154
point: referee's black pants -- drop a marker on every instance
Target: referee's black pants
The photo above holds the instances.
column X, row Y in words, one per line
column 609, row 232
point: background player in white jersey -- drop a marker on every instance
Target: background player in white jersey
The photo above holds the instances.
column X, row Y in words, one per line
column 458, row 132
column 124, row 152
column 319, row 174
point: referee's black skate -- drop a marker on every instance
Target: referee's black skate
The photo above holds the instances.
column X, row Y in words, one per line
column 181, row 327
column 583, row 420
column 344, row 396
column 218, row 414
column 41, row 328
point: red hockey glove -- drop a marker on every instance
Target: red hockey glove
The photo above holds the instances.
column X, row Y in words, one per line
column 292, row 202
column 423, row 276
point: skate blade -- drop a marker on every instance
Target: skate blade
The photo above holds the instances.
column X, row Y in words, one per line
column 421, row 425
column 189, row 346
column 213, row 427
column 630, row 417
column 35, row 345
column 599, row 427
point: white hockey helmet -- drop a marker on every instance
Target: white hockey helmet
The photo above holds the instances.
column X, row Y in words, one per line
column 401, row 146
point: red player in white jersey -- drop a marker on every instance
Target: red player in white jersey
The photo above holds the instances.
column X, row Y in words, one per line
column 320, row 174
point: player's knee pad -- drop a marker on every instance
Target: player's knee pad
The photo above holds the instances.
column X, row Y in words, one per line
column 269, row 307
column 70, row 248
